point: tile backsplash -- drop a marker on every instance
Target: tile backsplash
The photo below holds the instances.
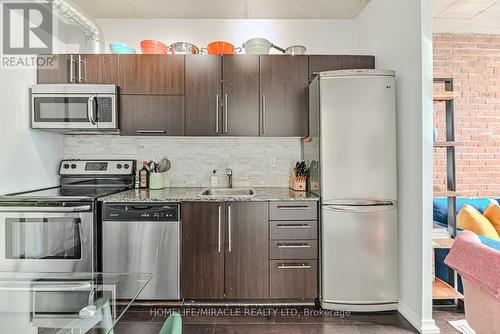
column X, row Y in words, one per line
column 255, row 161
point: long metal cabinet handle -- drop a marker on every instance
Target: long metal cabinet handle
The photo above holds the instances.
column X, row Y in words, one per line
column 293, row 226
column 81, row 77
column 225, row 114
column 263, row 113
column 229, row 227
column 219, row 228
column 293, row 207
column 301, row 245
column 45, row 209
column 217, row 113
column 294, row 266
column 72, row 77
column 150, row 131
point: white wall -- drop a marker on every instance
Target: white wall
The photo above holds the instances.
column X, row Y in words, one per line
column 319, row 36
column 29, row 158
column 399, row 34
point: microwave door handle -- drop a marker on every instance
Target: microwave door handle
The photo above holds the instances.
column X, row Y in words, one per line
column 91, row 109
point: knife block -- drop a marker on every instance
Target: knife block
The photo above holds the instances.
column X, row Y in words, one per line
column 297, row 183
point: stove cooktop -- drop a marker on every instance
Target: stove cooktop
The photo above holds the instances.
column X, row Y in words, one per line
column 83, row 180
column 62, row 193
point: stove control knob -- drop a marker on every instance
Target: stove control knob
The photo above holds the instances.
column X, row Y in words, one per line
column 65, row 166
column 119, row 166
column 126, row 166
column 73, row 166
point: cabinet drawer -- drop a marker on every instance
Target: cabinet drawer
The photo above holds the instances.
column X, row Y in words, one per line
column 293, row 229
column 297, row 210
column 293, row 279
column 293, row 249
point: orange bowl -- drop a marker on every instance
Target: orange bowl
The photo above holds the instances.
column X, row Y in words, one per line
column 153, row 47
column 220, row 48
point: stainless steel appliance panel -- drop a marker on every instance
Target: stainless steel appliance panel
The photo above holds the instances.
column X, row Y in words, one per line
column 359, row 255
column 47, row 239
column 358, row 137
column 74, row 107
column 150, row 244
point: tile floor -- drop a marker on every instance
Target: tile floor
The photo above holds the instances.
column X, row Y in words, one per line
column 143, row 320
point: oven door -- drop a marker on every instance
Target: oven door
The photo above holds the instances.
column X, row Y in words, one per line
column 47, row 239
column 73, row 111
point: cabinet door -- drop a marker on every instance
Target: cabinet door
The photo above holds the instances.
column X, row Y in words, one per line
column 148, row 115
column 203, row 95
column 202, row 269
column 100, row 69
column 64, row 72
column 241, row 95
column 284, row 95
column 151, row 74
column 246, row 265
column 354, row 62
column 320, row 63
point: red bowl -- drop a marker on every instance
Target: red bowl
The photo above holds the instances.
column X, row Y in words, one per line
column 153, row 47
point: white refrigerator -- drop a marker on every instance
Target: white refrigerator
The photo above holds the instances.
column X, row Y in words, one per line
column 353, row 148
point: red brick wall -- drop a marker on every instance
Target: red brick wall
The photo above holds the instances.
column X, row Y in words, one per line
column 473, row 61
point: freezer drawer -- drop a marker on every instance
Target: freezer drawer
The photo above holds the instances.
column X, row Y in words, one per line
column 359, row 255
column 296, row 210
column 293, row 229
column 293, row 249
column 293, row 279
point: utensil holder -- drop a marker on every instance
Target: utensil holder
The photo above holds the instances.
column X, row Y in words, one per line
column 298, row 183
column 156, row 180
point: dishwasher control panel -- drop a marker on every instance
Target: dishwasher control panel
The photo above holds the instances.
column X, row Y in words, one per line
column 140, row 212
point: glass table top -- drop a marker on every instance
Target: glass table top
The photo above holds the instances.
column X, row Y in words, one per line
column 64, row 303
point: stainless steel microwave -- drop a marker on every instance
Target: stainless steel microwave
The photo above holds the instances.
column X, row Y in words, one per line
column 74, row 107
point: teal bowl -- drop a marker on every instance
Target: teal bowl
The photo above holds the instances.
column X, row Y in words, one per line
column 121, row 48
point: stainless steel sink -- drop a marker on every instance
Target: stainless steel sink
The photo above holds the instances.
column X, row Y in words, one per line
column 229, row 192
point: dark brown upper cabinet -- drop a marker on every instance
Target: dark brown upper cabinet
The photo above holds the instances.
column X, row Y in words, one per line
column 81, row 68
column 355, row 62
column 202, row 268
column 151, row 115
column 246, row 261
column 284, row 95
column 64, row 72
column 151, row 74
column 320, row 63
column 240, row 95
column 203, row 95
column 100, row 69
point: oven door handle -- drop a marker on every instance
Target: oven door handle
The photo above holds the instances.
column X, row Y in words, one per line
column 45, row 209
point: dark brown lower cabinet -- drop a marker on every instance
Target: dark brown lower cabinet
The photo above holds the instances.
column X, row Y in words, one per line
column 246, row 260
column 202, row 269
column 150, row 115
column 224, row 250
column 293, row 279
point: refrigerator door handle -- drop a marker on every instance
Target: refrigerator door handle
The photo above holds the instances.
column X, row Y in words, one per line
column 359, row 208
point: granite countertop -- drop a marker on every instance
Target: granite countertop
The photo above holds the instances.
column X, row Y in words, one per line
column 194, row 194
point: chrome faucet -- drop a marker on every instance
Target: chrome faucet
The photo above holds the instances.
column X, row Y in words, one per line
column 229, row 173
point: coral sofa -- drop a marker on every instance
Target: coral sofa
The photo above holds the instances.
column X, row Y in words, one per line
column 479, row 267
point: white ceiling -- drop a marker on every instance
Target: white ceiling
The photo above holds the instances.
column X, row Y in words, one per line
column 466, row 16
column 224, row 9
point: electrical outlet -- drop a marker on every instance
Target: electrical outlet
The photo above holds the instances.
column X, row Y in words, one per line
column 272, row 162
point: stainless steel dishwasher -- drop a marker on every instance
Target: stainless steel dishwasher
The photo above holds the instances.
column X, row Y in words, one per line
column 143, row 238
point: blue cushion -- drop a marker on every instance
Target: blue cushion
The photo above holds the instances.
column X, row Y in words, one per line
column 440, row 207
